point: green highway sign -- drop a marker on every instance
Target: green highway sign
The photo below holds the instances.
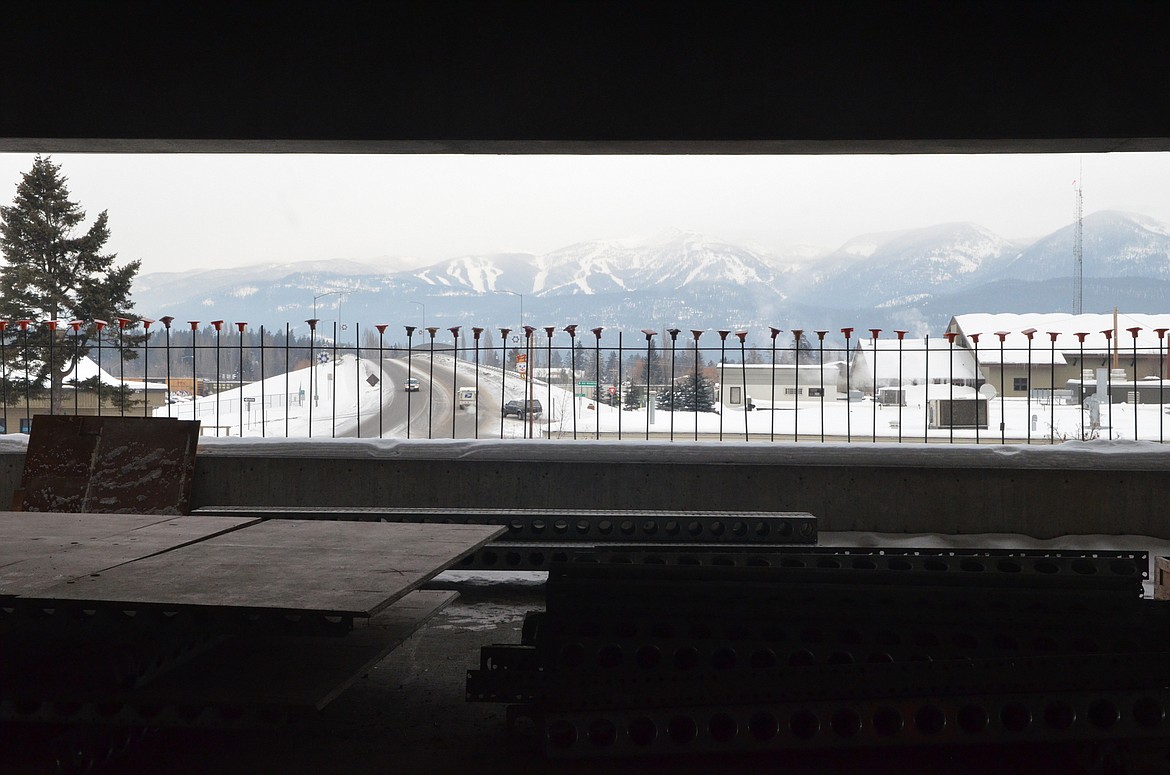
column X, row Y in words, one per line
column 584, row 383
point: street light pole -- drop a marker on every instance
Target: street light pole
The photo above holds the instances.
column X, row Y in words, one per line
column 329, row 293
column 424, row 314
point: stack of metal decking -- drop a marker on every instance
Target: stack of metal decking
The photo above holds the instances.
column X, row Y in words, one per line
column 538, row 539
column 816, row 647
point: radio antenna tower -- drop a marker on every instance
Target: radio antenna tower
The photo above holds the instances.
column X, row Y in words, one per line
column 1078, row 253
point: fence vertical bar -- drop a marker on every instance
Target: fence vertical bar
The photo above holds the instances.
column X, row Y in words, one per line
column 357, row 368
column 1030, row 332
column 649, row 342
column 901, row 383
column 571, row 330
column 674, row 332
column 1002, row 335
column 4, row 376
column 597, row 382
column 166, row 321
column 263, row 402
column 287, row 365
column 621, row 384
column 1052, row 386
column 76, row 326
column 950, row 335
column 99, row 325
column 548, row 333
column 797, row 338
column 874, row 333
column 722, row 372
column 194, row 324
column 454, row 374
column 122, row 392
column 696, row 334
column 218, row 372
column 381, row 374
column 821, row 360
column 410, row 375
column 476, row 332
column 975, row 378
column 1080, row 335
column 1161, row 332
column 848, row 332
column 240, row 372
column 333, row 385
column 503, row 374
column 743, row 372
column 1137, row 394
column 313, row 379
column 772, row 425
column 530, row 387
column 27, row 378
column 926, row 389
column 432, row 330
column 52, row 326
column 146, row 366
column 1109, row 377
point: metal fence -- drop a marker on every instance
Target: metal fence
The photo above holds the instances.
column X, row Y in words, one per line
column 575, row 383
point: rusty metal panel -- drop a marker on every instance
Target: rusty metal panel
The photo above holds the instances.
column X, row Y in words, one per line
column 109, row 465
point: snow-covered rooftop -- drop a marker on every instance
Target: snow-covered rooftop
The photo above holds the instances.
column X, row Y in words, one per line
column 916, row 360
column 1066, row 327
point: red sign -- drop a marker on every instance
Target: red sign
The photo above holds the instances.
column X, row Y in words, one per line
column 612, row 390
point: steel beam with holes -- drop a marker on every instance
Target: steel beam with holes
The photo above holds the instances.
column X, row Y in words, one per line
column 541, row 556
column 746, row 527
column 700, row 646
column 785, row 602
column 1015, row 674
column 788, row 566
column 913, row 721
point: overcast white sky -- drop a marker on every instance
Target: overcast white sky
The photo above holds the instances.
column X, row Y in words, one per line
column 178, row 210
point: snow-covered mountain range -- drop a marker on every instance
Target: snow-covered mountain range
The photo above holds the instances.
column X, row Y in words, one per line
column 913, row 279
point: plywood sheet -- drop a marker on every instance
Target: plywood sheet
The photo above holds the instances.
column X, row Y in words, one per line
column 303, row 672
column 340, row 568
column 118, row 465
column 42, row 550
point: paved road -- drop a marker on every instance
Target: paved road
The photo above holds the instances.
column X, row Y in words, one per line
column 432, row 411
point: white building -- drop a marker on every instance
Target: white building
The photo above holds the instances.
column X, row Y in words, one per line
column 892, row 363
column 783, row 385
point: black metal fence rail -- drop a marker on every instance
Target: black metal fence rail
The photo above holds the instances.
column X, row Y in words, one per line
column 387, row 381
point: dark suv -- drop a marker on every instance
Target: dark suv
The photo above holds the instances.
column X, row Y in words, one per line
column 517, row 408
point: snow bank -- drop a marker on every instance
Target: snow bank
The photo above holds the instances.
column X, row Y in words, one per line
column 1089, row 455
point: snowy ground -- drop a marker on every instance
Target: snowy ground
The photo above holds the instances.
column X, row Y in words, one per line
column 865, row 419
column 283, row 405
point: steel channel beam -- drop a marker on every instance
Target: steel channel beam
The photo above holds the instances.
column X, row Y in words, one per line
column 840, row 602
column 915, row 721
column 748, row 527
column 126, row 713
column 800, row 564
column 1031, row 572
column 26, row 614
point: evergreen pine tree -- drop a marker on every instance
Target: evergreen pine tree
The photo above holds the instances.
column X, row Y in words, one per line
column 685, row 398
column 55, row 272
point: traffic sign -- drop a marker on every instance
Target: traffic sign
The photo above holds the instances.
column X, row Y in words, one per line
column 612, row 390
column 585, row 383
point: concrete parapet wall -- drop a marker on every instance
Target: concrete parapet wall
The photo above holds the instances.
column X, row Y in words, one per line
column 1112, row 488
